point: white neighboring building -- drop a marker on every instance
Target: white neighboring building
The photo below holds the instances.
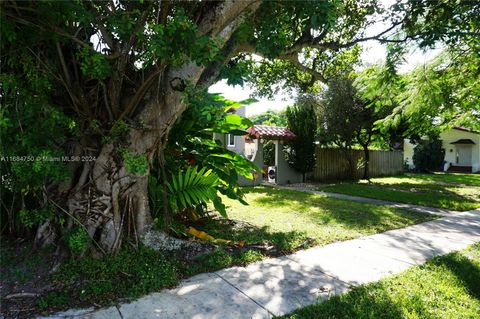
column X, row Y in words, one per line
column 462, row 150
column 251, row 147
column 234, row 142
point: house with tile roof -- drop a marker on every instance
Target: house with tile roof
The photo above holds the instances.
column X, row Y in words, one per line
column 462, row 150
column 251, row 146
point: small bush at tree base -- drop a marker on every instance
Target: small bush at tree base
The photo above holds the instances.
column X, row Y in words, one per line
column 77, row 240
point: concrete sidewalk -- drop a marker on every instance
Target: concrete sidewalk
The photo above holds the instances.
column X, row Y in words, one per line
column 280, row 285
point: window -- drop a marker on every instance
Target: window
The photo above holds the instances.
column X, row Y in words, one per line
column 230, row 140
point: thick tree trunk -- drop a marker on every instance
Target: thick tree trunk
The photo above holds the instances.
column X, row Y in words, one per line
column 352, row 168
column 110, row 201
column 106, row 199
column 351, row 165
column 366, row 168
column 113, row 203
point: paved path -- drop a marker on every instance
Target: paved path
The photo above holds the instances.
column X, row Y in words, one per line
column 280, row 285
column 416, row 208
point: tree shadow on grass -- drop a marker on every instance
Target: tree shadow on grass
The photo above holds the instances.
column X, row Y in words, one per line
column 466, row 271
column 316, row 219
column 451, row 178
column 436, row 196
column 370, row 301
column 300, row 201
column 321, row 210
column 257, row 237
column 423, row 292
column 371, row 220
column 324, row 211
column 444, row 195
column 444, row 189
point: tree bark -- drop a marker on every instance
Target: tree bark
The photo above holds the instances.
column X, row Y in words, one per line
column 106, row 199
column 348, row 155
column 366, row 168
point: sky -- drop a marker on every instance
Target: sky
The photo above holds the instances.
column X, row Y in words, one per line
column 373, row 52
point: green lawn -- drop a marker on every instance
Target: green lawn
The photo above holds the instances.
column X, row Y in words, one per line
column 445, row 190
column 455, row 178
column 288, row 218
column 276, row 222
column 446, row 287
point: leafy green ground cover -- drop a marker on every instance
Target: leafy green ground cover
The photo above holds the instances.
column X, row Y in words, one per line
column 446, row 287
column 444, row 190
column 276, row 222
column 91, row 281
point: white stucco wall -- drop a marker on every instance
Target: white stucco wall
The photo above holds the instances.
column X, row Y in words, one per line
column 250, row 149
column 408, row 153
column 239, row 146
column 239, row 141
column 447, row 138
column 258, row 161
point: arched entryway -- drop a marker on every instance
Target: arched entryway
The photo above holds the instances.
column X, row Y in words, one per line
column 463, row 155
column 280, row 173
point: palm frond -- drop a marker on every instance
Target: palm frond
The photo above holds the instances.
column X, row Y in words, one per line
column 193, row 187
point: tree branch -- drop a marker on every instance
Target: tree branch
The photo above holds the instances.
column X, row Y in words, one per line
column 307, row 40
column 164, row 8
column 230, row 47
column 54, row 29
column 293, row 58
column 62, row 62
column 218, row 20
column 135, row 100
column 116, row 80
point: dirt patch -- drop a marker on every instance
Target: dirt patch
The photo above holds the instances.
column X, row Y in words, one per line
column 24, row 277
column 28, row 286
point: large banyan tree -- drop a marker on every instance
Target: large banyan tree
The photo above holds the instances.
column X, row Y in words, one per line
column 90, row 89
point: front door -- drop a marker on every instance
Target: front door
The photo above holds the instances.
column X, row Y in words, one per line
column 464, row 155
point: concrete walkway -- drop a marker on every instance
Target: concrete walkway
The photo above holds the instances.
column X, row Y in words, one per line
column 278, row 286
column 412, row 207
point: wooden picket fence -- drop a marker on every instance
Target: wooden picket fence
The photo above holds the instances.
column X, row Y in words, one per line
column 331, row 164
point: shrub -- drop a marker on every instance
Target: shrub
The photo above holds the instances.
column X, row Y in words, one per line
column 77, row 240
column 302, row 121
column 269, row 153
column 428, row 155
